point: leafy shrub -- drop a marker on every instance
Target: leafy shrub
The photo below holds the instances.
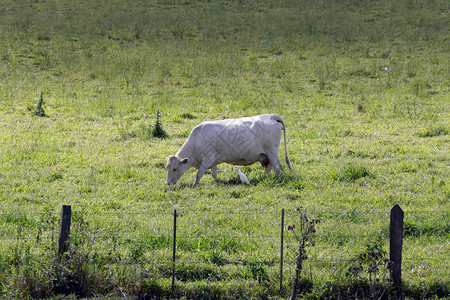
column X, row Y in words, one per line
column 374, row 263
column 257, row 271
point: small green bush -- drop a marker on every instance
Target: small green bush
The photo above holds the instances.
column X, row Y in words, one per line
column 158, row 130
column 374, row 264
column 39, row 110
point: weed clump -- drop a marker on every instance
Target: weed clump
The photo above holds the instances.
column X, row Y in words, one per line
column 187, row 115
column 39, row 110
column 360, row 105
column 303, row 235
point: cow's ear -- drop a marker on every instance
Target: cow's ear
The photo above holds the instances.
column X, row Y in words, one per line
column 184, row 160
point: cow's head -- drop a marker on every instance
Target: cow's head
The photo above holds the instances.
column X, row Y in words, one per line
column 175, row 168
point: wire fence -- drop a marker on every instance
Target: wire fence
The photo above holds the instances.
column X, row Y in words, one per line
column 215, row 245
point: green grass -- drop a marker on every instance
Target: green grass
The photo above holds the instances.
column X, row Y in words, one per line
column 362, row 86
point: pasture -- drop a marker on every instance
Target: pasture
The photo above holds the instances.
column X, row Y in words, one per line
column 362, row 86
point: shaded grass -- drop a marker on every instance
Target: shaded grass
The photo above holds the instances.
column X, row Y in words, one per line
column 418, row 230
column 351, row 173
column 433, row 132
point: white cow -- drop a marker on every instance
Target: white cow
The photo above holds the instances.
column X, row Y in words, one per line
column 242, row 141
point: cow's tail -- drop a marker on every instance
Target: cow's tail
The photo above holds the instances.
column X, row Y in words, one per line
column 279, row 119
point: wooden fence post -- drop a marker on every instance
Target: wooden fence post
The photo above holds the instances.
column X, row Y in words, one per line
column 281, row 250
column 64, row 233
column 395, row 247
column 174, row 248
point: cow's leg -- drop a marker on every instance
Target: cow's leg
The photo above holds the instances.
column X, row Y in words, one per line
column 275, row 162
column 265, row 162
column 214, row 172
column 268, row 168
column 199, row 176
column 201, row 171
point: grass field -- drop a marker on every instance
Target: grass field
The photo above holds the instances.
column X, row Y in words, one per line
column 362, row 86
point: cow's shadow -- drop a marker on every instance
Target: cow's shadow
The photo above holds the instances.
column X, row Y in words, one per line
column 285, row 179
column 231, row 181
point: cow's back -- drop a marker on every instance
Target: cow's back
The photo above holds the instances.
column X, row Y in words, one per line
column 234, row 140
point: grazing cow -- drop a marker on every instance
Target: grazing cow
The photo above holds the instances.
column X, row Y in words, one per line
column 242, row 141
